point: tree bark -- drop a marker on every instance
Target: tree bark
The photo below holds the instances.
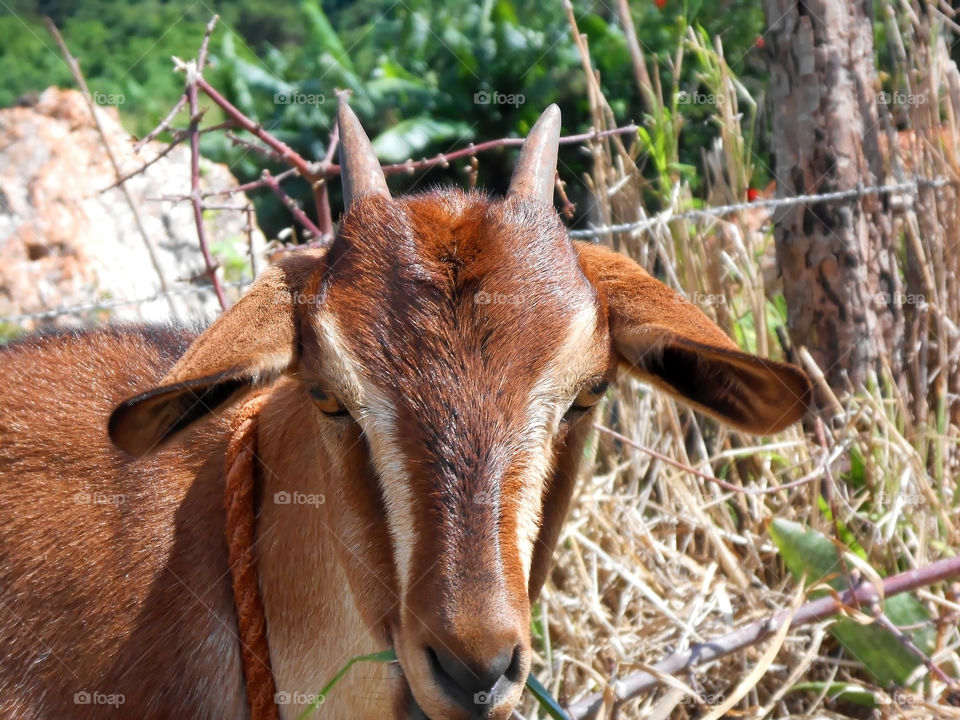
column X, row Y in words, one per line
column 837, row 258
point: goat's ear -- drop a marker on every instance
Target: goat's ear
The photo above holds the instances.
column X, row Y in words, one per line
column 252, row 343
column 667, row 341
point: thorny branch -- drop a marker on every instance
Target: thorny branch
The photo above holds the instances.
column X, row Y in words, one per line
column 317, row 174
column 193, row 77
column 147, row 241
column 865, row 593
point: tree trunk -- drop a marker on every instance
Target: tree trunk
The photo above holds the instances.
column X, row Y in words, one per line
column 837, row 258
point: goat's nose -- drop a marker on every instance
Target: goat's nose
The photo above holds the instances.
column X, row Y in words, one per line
column 474, row 682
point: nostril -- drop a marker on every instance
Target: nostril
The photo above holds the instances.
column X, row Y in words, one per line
column 513, row 671
column 463, row 680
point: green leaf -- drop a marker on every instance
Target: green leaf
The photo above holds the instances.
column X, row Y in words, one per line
column 324, row 34
column 883, row 655
column 546, row 700
column 849, row 692
column 857, row 476
column 409, row 137
column 384, row 656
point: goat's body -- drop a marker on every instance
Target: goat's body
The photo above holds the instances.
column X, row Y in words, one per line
column 112, row 577
column 428, row 383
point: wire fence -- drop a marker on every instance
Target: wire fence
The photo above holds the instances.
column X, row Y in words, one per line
column 659, row 220
column 720, row 211
column 84, row 308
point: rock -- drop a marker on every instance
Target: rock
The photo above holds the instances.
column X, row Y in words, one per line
column 65, row 242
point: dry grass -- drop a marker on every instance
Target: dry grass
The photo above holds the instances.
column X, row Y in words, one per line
column 654, row 558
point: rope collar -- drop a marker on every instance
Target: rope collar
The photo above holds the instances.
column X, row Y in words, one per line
column 240, row 470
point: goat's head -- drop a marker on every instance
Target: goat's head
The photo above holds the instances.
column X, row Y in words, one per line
column 461, row 343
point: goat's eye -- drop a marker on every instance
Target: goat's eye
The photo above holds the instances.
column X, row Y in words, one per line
column 327, row 402
column 589, row 396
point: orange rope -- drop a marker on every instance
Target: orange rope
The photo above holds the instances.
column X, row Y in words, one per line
column 240, row 468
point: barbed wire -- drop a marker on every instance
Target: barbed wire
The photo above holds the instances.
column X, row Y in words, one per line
column 719, row 211
column 715, row 212
column 111, row 304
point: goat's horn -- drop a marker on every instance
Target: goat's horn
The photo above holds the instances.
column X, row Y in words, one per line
column 537, row 165
column 360, row 170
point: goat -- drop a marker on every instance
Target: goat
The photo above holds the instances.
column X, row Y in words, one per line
column 428, row 384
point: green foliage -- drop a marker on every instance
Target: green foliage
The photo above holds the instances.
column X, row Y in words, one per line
column 10, row 332
column 808, row 553
column 847, row 692
column 232, row 256
column 547, row 702
column 385, row 656
column 125, row 48
column 427, row 76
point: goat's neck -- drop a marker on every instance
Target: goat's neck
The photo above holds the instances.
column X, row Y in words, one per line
column 313, row 623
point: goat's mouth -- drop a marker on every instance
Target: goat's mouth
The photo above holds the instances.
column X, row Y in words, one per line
column 445, row 699
column 406, row 704
column 414, row 711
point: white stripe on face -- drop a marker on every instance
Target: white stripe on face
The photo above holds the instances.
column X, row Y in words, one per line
column 546, row 405
column 378, row 422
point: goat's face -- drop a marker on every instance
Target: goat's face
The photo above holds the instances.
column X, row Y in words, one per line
column 453, row 347
column 464, row 339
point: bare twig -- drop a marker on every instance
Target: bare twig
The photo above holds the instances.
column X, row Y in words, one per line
column 246, row 187
column 248, row 228
column 288, row 154
column 693, row 471
column 820, row 609
column 443, row 159
column 205, row 44
column 147, row 240
column 164, row 124
column 178, row 138
column 321, row 191
column 883, row 621
column 196, row 199
column 298, row 214
column 267, row 152
column 636, row 55
column 566, row 207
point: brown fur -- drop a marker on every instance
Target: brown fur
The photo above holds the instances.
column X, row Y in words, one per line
column 123, row 597
column 135, row 599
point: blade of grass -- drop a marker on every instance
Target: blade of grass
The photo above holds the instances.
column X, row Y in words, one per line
column 382, row 657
